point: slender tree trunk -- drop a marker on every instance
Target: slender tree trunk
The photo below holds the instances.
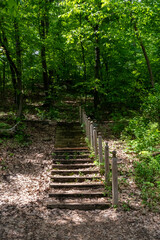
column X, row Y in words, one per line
column 43, row 32
column 14, row 82
column 106, row 67
column 3, row 80
column 97, row 66
column 145, row 56
column 143, row 49
column 19, row 69
column 13, row 68
column 16, row 71
column 43, row 59
column 83, row 55
column 1, row 84
column 148, row 64
column 84, row 63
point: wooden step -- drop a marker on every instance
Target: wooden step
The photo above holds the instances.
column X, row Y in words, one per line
column 69, row 149
column 79, row 206
column 65, row 172
column 72, row 139
column 71, row 156
column 77, row 185
column 72, row 166
column 77, row 195
column 70, row 161
column 71, row 153
column 67, row 131
column 71, row 136
column 69, row 125
column 74, row 179
column 74, row 185
column 69, row 144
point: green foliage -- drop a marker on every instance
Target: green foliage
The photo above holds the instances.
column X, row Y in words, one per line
column 146, row 135
column 108, row 188
column 123, row 181
column 21, row 137
column 147, row 173
column 151, row 105
column 148, row 169
column 52, row 113
column 3, row 164
column 126, row 206
column 144, row 130
column 4, row 125
column 118, row 124
column 143, row 134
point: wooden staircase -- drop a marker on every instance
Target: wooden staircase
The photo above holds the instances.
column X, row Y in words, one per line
column 75, row 180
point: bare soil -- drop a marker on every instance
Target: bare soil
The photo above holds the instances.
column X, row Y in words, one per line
column 24, row 186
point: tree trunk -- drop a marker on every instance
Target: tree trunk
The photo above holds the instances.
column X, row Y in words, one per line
column 19, row 69
column 3, row 81
column 4, row 43
column 148, row 64
column 97, row 66
column 44, row 69
column 145, row 55
column 14, row 82
column 16, row 71
column 43, row 32
column 84, row 63
column 83, row 56
column 1, row 84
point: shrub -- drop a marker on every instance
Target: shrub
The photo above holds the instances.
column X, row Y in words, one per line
column 147, row 176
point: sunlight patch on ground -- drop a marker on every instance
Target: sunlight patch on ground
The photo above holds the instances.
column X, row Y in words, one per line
column 22, row 189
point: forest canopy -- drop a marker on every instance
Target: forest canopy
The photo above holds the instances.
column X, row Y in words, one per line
column 108, row 50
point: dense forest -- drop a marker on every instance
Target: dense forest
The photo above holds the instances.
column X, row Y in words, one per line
column 104, row 52
column 106, row 49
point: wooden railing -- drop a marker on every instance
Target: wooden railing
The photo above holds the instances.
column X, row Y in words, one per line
column 102, row 155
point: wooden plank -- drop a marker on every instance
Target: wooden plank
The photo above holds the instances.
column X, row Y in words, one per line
column 72, row 166
column 106, row 153
column 100, row 151
column 71, row 149
column 77, row 185
column 82, row 194
column 79, row 206
column 95, row 142
column 74, row 179
column 64, row 172
column 114, row 180
column 71, row 161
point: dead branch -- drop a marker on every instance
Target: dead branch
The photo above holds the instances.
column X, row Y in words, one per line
column 9, row 131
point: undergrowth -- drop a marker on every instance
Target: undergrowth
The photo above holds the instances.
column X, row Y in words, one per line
column 143, row 137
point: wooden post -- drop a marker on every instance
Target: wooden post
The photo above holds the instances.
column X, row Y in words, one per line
column 84, row 120
column 114, row 179
column 89, row 129
column 100, row 152
column 80, row 114
column 106, row 156
column 87, row 123
column 95, row 141
column 91, row 134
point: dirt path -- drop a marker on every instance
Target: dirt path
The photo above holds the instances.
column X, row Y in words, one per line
column 24, row 187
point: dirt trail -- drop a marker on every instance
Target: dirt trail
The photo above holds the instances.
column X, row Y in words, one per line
column 24, row 187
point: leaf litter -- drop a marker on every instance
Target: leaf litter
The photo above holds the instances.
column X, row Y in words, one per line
column 24, row 187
